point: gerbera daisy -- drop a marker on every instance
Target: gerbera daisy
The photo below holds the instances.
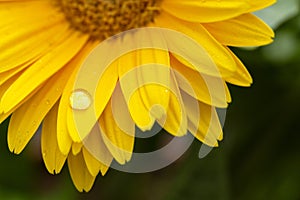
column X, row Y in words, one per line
column 44, row 43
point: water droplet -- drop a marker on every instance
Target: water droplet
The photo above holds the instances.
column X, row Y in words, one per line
column 48, row 102
column 34, row 123
column 80, row 99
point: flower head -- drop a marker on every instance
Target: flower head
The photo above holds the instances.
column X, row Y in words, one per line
column 44, row 45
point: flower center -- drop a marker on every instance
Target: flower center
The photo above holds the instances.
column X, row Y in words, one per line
column 104, row 18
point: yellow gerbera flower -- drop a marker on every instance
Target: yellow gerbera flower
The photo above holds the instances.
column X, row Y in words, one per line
column 44, row 43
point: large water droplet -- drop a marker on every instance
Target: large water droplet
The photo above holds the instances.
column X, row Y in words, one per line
column 80, row 99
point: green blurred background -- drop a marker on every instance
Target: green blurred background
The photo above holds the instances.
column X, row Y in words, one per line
column 259, row 157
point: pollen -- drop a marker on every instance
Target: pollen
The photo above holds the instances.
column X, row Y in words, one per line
column 104, row 18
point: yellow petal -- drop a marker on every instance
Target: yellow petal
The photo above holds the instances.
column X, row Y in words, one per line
column 120, row 112
column 64, row 136
column 241, row 76
column 244, row 30
column 184, row 48
column 43, row 69
column 205, row 11
column 175, row 121
column 3, row 89
column 40, row 43
column 153, row 74
column 24, row 122
column 207, row 89
column 4, row 76
column 129, row 85
column 53, row 158
column 97, row 156
column 259, row 4
column 140, row 115
column 228, row 96
column 6, row 84
column 154, row 80
column 93, row 76
column 81, row 122
column 93, row 164
column 31, row 35
column 144, row 78
column 197, row 32
column 76, row 148
column 119, row 141
column 80, row 175
column 204, row 122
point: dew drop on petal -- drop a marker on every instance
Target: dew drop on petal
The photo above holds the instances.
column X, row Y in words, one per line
column 80, row 99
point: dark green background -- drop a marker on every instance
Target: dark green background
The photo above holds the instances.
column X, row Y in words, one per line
column 258, row 158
